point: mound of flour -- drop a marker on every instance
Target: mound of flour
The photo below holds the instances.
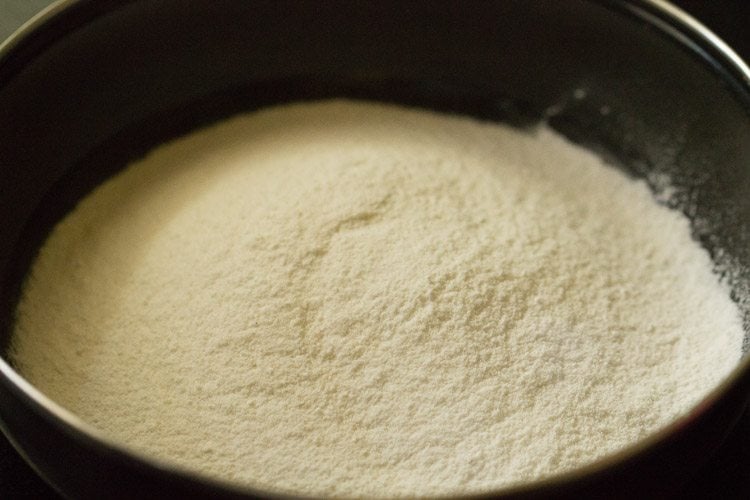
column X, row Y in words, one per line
column 348, row 299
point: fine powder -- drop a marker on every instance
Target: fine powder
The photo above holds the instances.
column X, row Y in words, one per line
column 354, row 299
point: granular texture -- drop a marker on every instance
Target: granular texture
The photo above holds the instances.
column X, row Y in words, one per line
column 355, row 299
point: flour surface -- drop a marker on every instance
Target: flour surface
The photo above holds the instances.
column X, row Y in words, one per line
column 352, row 299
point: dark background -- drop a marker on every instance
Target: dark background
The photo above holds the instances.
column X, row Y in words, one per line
column 727, row 474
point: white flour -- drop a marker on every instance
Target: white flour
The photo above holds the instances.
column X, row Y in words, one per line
column 344, row 298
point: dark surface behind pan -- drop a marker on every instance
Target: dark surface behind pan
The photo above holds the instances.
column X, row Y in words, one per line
column 483, row 67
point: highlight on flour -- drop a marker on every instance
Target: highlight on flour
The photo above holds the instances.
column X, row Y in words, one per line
column 352, row 299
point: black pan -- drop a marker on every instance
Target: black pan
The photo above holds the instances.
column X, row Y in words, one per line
column 92, row 85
